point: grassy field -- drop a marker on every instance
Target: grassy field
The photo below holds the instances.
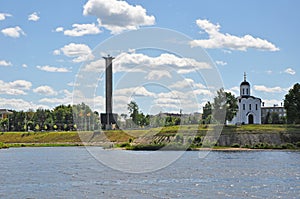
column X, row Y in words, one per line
column 127, row 136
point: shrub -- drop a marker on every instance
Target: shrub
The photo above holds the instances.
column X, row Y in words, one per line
column 122, row 145
column 287, row 146
column 235, row 145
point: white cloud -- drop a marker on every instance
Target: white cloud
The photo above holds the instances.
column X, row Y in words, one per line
column 221, row 63
column 20, row 104
column 134, row 91
column 290, row 71
column 53, row 69
column 220, row 40
column 118, row 16
column 81, row 52
column 33, row 17
column 45, row 90
column 24, row 65
column 82, row 29
column 17, row 87
column 4, row 15
column 59, row 29
column 13, row 32
column 234, row 90
column 128, row 62
column 5, row 63
column 269, row 72
column 263, row 88
column 158, row 74
column 56, row 52
column 65, row 99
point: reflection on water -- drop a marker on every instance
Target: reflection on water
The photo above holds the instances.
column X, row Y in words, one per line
column 71, row 172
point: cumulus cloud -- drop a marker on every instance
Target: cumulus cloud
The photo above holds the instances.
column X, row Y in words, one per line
column 134, row 91
column 290, row 71
column 232, row 42
column 4, row 15
column 14, row 32
column 45, row 90
column 138, row 62
column 80, row 52
column 24, row 65
column 221, row 63
column 118, row 16
column 59, row 29
column 33, row 17
column 20, row 104
column 158, row 74
column 263, row 88
column 82, row 29
column 126, row 61
column 5, row 63
column 17, row 87
column 53, row 69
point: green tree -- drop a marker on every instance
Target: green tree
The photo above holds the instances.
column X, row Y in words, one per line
column 207, row 111
column 133, row 109
column 292, row 104
column 224, row 106
column 137, row 117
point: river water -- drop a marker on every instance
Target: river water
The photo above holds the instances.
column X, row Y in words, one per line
column 71, row 172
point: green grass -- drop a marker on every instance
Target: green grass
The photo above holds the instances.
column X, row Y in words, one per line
column 127, row 136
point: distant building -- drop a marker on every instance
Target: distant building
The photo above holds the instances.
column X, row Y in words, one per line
column 268, row 111
column 4, row 113
column 249, row 107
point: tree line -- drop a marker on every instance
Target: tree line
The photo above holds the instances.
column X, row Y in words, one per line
column 80, row 117
column 61, row 118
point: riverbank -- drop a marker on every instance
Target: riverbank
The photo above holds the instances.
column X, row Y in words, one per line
column 189, row 137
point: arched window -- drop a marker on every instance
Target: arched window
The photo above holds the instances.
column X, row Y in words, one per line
column 247, row 92
column 243, row 91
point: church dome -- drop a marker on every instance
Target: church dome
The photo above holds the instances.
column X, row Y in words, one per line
column 245, row 83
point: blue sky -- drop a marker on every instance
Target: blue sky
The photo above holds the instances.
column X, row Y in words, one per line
column 46, row 44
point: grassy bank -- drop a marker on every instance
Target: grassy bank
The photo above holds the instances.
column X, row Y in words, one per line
column 174, row 137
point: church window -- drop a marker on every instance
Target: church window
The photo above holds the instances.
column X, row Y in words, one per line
column 256, row 107
column 243, row 91
column 250, row 107
column 247, row 91
column 243, row 106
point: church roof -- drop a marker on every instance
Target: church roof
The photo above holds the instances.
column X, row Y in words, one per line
column 245, row 83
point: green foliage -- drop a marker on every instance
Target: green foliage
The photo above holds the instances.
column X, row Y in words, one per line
column 138, row 118
column 235, row 145
column 3, row 146
column 223, row 108
column 60, row 118
column 292, row 104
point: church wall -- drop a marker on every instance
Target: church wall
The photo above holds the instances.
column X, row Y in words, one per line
column 244, row 110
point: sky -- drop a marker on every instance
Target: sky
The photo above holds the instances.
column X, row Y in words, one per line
column 51, row 52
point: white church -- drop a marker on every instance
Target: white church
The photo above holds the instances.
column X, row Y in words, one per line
column 249, row 107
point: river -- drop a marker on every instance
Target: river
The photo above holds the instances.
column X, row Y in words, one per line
column 71, row 172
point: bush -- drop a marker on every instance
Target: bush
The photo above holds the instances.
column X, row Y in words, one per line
column 122, row 145
column 3, row 146
column 235, row 145
column 298, row 144
column 288, row 146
